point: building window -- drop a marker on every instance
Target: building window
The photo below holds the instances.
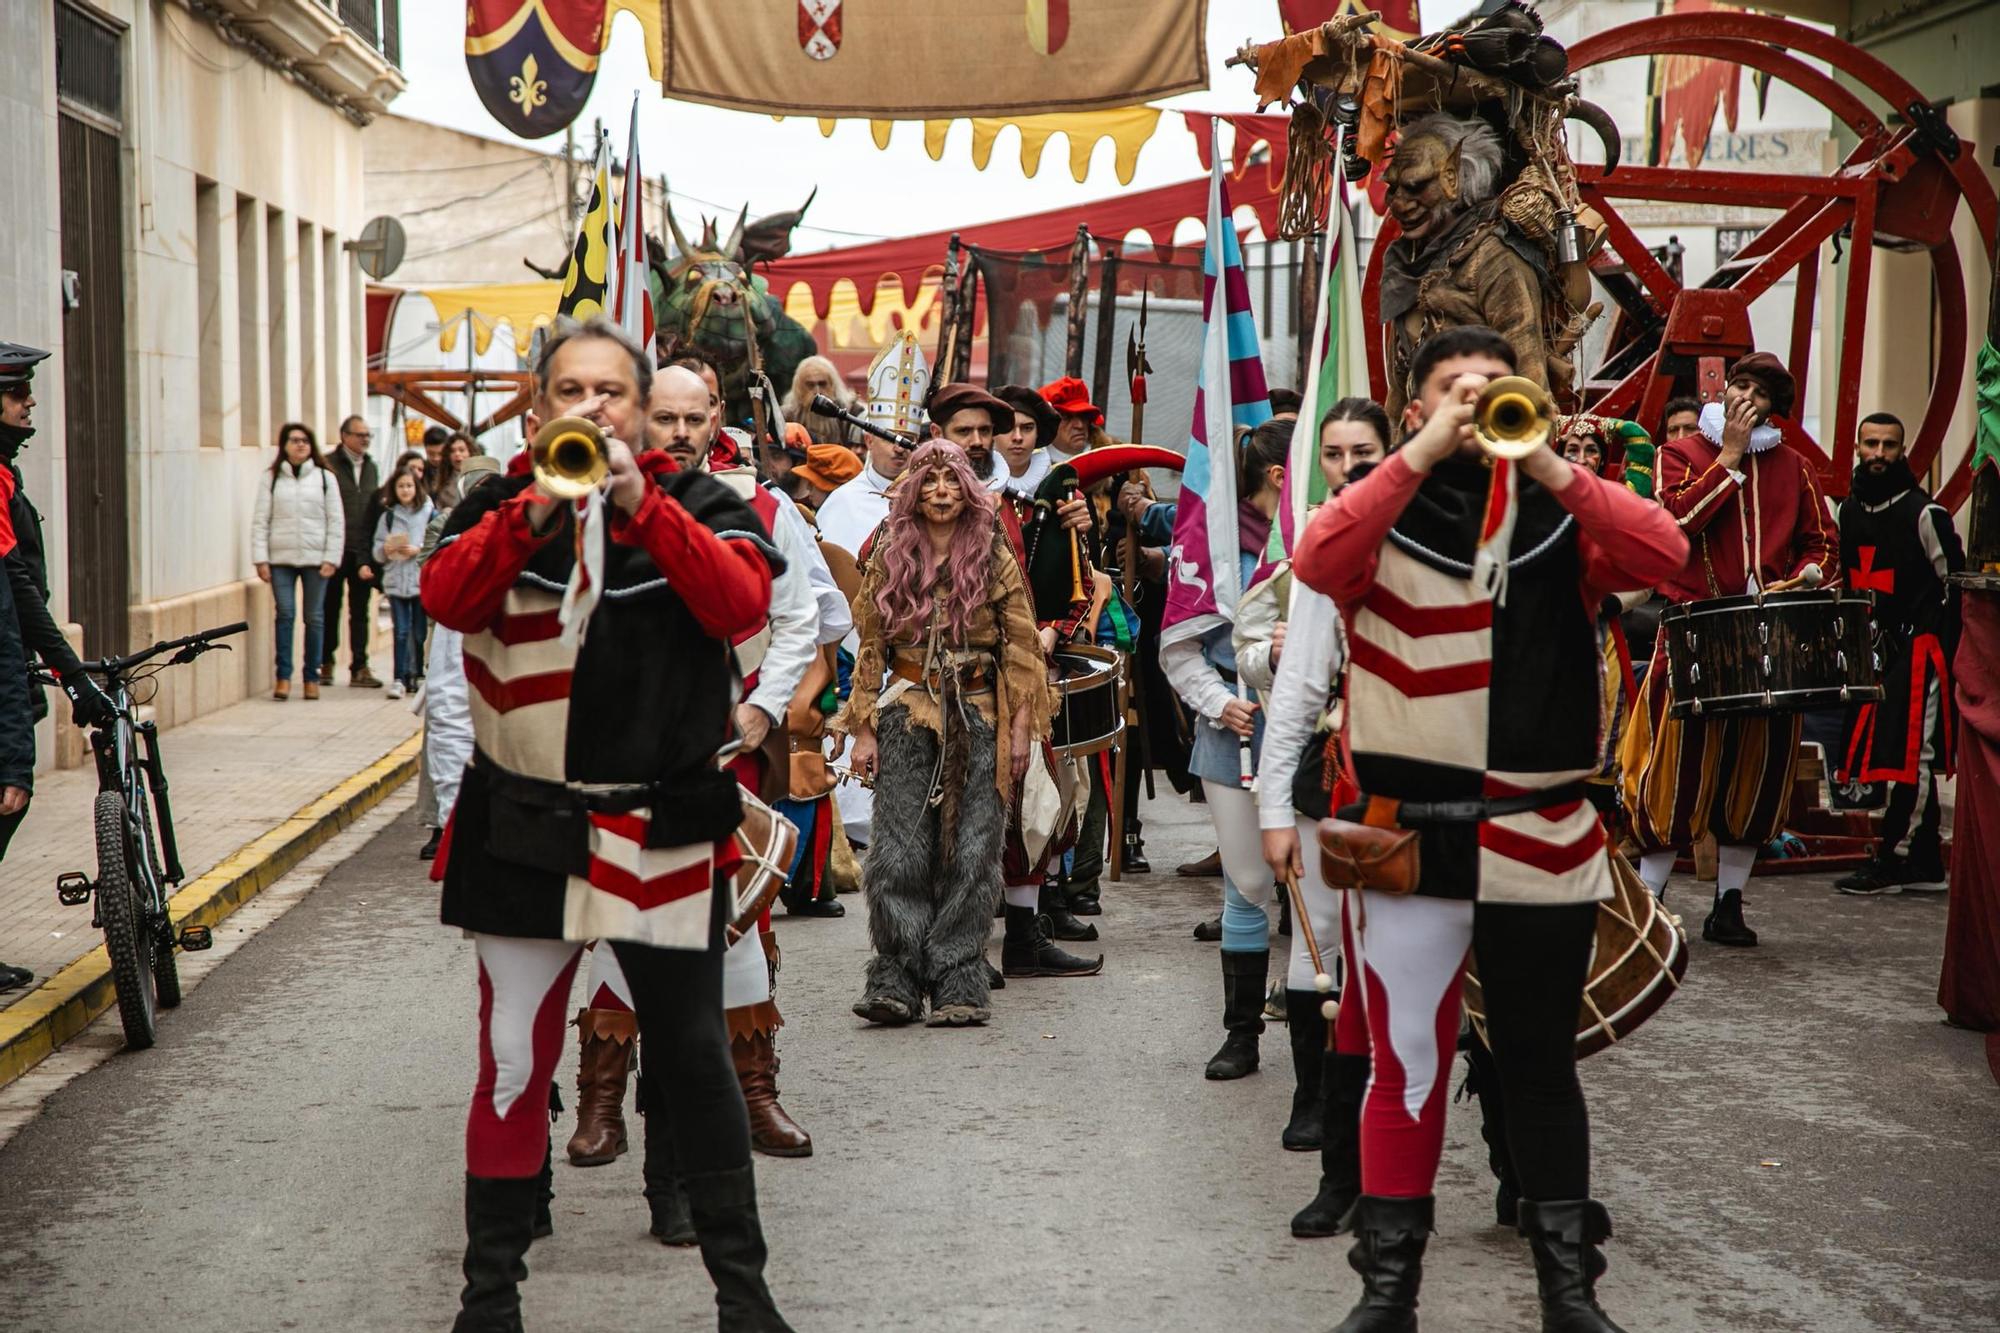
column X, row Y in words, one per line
column 329, row 264
column 208, row 308
column 310, row 351
column 376, row 22
column 277, row 307
column 89, row 73
column 250, row 330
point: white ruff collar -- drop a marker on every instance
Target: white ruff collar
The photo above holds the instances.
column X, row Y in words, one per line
column 1761, row 437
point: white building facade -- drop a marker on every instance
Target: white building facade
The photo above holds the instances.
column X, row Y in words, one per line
column 184, row 178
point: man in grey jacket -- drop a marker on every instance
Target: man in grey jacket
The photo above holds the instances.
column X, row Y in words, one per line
column 360, row 496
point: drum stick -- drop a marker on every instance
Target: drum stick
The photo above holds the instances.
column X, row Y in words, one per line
column 1322, row 979
column 1246, row 767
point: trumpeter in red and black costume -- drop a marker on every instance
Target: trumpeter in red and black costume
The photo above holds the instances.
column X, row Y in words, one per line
column 1898, row 543
column 597, row 649
column 1470, row 590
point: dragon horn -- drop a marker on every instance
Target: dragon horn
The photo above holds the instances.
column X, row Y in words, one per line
column 735, row 241
column 680, row 241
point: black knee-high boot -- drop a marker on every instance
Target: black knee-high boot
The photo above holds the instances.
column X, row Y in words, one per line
column 1482, row 1081
column 1305, row 1024
column 499, row 1225
column 1244, row 974
column 724, row 1206
column 1340, row 1148
column 1564, row 1236
column 1389, row 1240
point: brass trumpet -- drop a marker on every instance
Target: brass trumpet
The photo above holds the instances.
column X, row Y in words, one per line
column 1514, row 417
column 569, row 458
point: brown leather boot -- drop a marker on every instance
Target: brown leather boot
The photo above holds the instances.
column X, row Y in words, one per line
column 607, row 1036
column 772, row 1132
column 312, row 689
column 281, row 689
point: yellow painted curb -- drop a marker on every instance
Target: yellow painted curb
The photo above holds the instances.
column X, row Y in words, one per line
column 31, row 1030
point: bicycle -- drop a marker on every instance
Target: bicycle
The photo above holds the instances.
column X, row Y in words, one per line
column 136, row 872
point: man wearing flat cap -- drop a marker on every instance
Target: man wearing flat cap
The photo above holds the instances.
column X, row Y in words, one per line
column 1754, row 518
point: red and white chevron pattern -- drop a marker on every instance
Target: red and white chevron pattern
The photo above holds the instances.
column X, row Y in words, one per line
column 1420, row 660
column 655, row 895
column 519, row 671
column 1543, row 856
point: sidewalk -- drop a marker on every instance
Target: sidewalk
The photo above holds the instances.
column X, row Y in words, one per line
column 234, row 777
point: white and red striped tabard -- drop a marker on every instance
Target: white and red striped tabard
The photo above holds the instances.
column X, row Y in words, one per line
column 1453, row 695
column 593, row 808
column 519, row 671
column 1420, row 688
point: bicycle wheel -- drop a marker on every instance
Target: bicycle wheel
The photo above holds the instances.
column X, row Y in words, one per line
column 126, row 937
column 166, row 971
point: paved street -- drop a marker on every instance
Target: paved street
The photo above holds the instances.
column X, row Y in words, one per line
column 1794, row 1144
column 235, row 773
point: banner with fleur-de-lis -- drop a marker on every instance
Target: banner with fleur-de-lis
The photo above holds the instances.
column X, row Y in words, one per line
column 533, row 61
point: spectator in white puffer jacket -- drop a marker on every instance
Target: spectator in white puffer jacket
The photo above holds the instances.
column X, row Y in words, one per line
column 297, row 533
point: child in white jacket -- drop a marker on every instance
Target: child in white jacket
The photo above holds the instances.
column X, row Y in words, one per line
column 399, row 539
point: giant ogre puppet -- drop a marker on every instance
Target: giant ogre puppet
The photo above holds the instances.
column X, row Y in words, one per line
column 1460, row 260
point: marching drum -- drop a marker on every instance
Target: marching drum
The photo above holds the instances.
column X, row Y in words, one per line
column 1636, row 964
column 1781, row 652
column 767, row 841
column 1090, row 708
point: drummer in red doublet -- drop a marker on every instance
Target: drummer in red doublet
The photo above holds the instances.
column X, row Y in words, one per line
column 1755, row 520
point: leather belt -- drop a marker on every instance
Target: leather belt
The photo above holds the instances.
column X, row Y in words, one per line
column 971, row 675
column 1416, row 814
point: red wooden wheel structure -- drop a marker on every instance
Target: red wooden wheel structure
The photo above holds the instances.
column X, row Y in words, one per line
column 1900, row 187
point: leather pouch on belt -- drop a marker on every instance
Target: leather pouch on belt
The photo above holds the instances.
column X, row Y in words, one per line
column 1373, row 855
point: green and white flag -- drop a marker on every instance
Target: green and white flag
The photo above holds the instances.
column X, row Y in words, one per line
column 1339, row 370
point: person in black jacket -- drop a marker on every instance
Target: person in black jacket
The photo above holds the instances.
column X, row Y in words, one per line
column 26, row 627
column 360, row 489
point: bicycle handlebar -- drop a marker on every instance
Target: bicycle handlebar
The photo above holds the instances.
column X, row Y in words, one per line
column 109, row 665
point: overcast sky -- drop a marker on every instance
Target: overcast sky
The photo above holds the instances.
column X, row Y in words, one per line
column 734, row 157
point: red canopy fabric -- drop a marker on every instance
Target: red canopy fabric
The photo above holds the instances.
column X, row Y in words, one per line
column 909, row 259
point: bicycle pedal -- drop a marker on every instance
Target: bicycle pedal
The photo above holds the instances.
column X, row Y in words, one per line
column 196, row 938
column 73, row 888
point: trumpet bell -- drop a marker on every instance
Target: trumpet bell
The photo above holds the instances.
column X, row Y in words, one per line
column 1514, row 417
column 569, row 458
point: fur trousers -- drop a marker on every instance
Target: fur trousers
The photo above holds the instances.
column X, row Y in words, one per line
column 929, row 916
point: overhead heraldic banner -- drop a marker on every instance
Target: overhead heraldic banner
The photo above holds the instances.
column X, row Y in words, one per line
column 906, row 59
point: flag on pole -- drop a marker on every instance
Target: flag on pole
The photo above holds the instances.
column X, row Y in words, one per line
column 632, row 303
column 590, row 279
column 1204, row 577
column 1338, row 369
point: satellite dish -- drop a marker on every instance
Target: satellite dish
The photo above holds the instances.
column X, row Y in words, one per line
column 380, row 248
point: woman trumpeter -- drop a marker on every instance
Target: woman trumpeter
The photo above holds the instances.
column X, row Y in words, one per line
column 944, row 616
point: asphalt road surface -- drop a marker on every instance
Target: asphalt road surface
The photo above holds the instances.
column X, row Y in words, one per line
column 1795, row 1143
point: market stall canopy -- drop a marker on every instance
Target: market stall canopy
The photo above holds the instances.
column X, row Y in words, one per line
column 915, row 59
column 1129, row 128
column 907, row 260
column 522, row 306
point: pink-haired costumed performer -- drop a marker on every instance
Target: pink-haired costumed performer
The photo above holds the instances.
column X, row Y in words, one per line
column 950, row 696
